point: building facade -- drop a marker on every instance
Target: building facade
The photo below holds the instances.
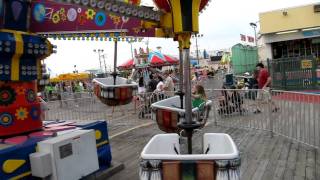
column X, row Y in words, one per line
column 290, row 32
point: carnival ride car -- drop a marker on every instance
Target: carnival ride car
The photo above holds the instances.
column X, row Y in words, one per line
column 25, row 26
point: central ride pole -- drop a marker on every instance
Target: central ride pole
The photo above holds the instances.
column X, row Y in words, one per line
column 114, row 74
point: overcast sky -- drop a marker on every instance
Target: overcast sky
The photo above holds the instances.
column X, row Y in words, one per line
column 221, row 25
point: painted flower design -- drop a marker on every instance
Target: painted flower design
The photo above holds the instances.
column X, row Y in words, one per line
column 21, row 113
column 5, row 119
column 62, row 11
column 20, row 90
column 116, row 19
column 7, row 96
column 63, row 17
column 90, row 13
column 56, row 18
column 82, row 19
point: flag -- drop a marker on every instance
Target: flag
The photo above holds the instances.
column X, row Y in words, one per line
column 243, row 37
column 250, row 39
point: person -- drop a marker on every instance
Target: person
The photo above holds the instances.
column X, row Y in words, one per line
column 159, row 87
column 141, row 88
column 198, row 96
column 237, row 101
column 152, row 84
column 264, row 82
column 168, row 84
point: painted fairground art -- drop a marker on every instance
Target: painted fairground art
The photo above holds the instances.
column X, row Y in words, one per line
column 32, row 148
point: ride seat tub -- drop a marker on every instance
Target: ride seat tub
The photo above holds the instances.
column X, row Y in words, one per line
column 167, row 113
column 161, row 159
column 113, row 95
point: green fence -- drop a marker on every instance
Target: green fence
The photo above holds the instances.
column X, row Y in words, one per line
column 298, row 73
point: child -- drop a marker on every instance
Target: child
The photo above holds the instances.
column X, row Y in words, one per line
column 198, row 96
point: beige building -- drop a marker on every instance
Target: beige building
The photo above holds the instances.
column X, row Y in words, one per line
column 290, row 32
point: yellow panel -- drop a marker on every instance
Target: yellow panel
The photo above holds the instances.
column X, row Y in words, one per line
column 294, row 18
column 166, row 21
column 177, row 18
column 10, row 165
column 21, row 176
column 195, row 15
column 16, row 57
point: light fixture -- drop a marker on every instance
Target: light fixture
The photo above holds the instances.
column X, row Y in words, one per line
column 310, row 29
column 287, row 32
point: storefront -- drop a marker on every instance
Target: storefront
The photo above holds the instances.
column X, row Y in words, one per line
column 289, row 33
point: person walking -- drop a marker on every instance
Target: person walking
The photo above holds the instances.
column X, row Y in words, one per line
column 264, row 82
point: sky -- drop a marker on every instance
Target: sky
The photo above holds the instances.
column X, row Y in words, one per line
column 221, row 25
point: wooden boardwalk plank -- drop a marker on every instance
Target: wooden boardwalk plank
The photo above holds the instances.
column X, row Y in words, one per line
column 262, row 157
column 291, row 161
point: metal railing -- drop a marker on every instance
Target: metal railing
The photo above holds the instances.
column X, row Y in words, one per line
column 295, row 115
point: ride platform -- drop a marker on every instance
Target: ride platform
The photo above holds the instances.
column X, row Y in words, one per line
column 15, row 151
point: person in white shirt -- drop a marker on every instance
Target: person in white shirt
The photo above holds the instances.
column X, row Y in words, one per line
column 168, row 85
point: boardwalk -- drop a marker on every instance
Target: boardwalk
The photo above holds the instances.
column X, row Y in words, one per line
column 262, row 157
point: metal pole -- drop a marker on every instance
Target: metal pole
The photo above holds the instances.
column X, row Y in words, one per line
column 197, row 49
column 105, row 65
column 99, row 59
column 188, row 107
column 181, row 75
column 115, row 61
column 255, row 36
column 187, row 85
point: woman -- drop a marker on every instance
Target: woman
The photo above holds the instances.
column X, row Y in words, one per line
column 141, row 88
column 198, row 96
column 160, row 88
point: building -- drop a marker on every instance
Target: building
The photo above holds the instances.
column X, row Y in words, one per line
column 290, row 32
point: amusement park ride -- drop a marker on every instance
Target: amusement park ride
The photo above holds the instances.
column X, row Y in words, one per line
column 31, row 148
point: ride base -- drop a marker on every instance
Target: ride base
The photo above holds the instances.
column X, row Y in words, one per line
column 15, row 151
column 161, row 159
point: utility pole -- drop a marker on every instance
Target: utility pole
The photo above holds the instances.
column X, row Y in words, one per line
column 254, row 26
column 196, row 36
column 99, row 51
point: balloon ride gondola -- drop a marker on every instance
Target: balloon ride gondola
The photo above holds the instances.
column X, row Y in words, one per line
column 168, row 114
column 111, row 94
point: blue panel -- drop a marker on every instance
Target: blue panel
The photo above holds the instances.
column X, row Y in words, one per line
column 16, row 12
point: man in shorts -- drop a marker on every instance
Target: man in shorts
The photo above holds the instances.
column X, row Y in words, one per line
column 264, row 82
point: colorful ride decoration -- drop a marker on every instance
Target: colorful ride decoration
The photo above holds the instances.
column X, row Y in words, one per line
column 168, row 114
column 149, row 59
column 113, row 95
column 161, row 159
column 14, row 151
column 86, row 21
column 20, row 109
column 20, row 70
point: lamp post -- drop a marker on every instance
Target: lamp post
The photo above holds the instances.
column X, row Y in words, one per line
column 99, row 51
column 104, row 56
column 254, row 26
column 196, row 36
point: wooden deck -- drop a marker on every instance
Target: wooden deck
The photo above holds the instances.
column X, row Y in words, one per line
column 262, row 157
